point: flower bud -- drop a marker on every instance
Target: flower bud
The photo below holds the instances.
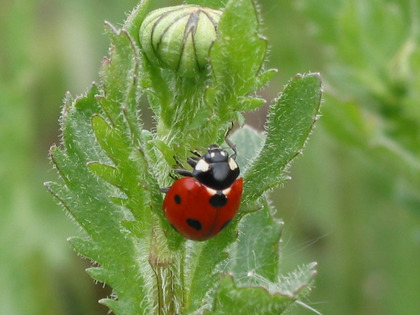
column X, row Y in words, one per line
column 180, row 37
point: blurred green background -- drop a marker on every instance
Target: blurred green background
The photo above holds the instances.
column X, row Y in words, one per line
column 353, row 204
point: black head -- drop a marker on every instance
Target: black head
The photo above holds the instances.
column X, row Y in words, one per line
column 216, row 169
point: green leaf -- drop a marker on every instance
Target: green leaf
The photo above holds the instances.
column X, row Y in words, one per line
column 247, row 300
column 100, row 274
column 165, row 150
column 85, row 247
column 115, row 306
column 77, row 189
column 256, row 253
column 238, row 53
column 134, row 20
column 290, row 122
column 201, row 272
column 86, row 197
column 248, row 142
column 265, row 77
column 131, row 169
column 264, row 297
column 251, row 103
column 76, row 122
column 119, row 79
column 112, row 140
column 106, row 172
column 297, row 283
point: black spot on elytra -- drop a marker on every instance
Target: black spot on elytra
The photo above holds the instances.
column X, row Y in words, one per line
column 218, row 200
column 177, row 199
column 195, row 224
column 225, row 224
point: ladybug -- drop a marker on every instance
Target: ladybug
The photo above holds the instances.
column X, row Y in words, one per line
column 201, row 204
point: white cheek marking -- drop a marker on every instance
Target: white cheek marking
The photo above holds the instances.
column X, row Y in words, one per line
column 223, row 153
column 232, row 165
column 226, row 191
column 212, row 154
column 211, row 191
column 202, row 166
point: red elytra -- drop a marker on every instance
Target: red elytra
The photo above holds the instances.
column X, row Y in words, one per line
column 199, row 212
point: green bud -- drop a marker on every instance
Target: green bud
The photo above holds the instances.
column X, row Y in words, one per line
column 180, row 37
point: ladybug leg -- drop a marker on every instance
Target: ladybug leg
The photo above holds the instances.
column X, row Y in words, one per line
column 178, row 163
column 192, row 161
column 164, row 190
column 173, row 177
column 184, row 172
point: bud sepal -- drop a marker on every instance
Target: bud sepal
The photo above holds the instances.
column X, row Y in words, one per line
column 179, row 38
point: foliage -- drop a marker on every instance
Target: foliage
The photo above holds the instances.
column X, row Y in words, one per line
column 374, row 79
column 353, row 202
column 364, row 220
column 111, row 171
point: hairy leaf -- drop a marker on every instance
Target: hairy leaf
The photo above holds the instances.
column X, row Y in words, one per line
column 290, row 122
column 257, row 252
column 237, row 56
column 265, row 297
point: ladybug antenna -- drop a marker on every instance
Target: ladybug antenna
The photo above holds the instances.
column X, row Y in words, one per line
column 229, row 129
column 178, row 163
column 229, row 143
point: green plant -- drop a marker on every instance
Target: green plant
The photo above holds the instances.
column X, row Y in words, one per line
column 372, row 79
column 112, row 170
